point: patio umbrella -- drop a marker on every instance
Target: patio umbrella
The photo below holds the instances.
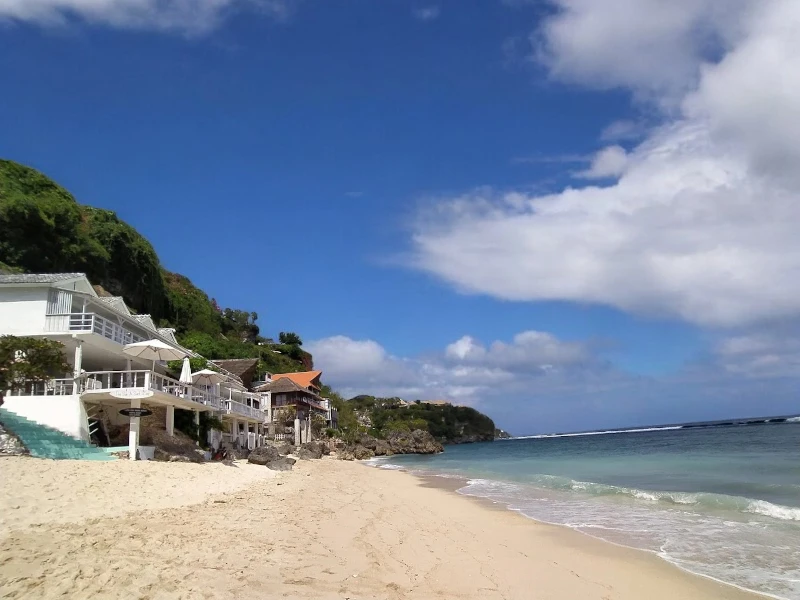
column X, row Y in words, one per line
column 207, row 377
column 154, row 350
column 186, row 372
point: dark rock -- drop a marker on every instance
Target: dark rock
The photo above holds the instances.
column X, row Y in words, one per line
column 263, row 455
column 284, row 449
column 383, row 448
column 281, row 464
column 499, row 434
column 311, row 450
column 362, row 453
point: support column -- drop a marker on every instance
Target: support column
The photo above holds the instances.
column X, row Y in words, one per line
column 170, row 420
column 133, row 435
column 78, row 359
column 308, row 428
column 297, row 440
column 197, row 423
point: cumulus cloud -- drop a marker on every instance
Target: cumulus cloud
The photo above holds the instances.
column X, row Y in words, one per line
column 762, row 354
column 699, row 224
column 186, row 16
column 608, row 162
column 427, row 13
column 538, row 383
column 462, row 372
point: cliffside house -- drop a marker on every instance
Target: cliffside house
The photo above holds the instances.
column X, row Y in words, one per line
column 105, row 378
column 246, row 412
column 302, row 391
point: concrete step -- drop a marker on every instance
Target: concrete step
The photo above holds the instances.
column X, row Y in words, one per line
column 46, row 442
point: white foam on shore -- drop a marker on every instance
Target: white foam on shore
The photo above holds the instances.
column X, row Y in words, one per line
column 764, row 559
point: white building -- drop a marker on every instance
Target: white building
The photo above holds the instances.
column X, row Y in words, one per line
column 94, row 330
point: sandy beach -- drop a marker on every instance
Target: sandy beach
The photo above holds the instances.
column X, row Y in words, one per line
column 329, row 529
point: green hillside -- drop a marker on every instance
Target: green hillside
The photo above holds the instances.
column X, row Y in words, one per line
column 46, row 230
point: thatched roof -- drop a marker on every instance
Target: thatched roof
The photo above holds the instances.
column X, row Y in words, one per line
column 243, row 368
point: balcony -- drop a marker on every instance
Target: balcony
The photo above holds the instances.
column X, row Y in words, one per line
column 90, row 322
column 53, row 387
column 239, row 409
column 143, row 385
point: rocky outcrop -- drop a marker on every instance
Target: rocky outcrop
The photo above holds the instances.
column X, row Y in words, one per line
column 396, row 442
column 263, row 455
column 10, row 444
column 271, row 457
column 312, row 450
column 281, row 464
column 499, row 434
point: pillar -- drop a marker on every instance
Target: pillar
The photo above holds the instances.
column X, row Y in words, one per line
column 297, row 440
column 133, row 435
column 78, row 358
column 197, row 424
column 170, row 420
column 308, row 428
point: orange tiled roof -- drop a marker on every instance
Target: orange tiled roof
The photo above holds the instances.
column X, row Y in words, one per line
column 304, row 378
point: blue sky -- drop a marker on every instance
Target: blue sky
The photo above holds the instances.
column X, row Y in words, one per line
column 569, row 214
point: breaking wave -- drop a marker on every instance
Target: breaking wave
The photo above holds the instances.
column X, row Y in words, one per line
column 701, row 500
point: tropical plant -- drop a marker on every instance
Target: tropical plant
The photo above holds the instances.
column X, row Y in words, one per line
column 29, row 359
column 289, row 338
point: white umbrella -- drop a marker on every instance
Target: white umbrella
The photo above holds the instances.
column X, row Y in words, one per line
column 207, row 377
column 186, row 372
column 154, row 350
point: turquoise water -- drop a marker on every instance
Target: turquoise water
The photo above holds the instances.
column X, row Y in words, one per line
column 721, row 501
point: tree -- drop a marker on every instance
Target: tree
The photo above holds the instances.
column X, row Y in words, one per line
column 29, row 359
column 289, row 338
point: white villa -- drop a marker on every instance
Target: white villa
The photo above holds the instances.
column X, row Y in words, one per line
column 95, row 331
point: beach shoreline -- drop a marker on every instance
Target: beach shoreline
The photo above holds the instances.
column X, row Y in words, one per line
column 453, row 484
column 328, row 529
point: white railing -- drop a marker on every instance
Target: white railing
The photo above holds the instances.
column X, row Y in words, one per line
column 101, row 381
column 237, row 408
column 53, row 387
column 94, row 323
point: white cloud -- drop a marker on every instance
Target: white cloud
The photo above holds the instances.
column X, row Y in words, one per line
column 463, row 372
column 761, row 354
column 427, row 13
column 538, row 383
column 701, row 223
column 650, row 46
column 186, row 16
column 623, row 129
column 608, row 162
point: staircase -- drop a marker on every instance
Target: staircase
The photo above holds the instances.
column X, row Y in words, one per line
column 46, row 442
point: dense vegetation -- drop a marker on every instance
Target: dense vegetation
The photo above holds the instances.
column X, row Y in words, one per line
column 29, row 359
column 378, row 416
column 45, row 230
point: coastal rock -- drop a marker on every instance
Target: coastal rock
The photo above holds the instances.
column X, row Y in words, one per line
column 396, row 442
column 282, row 447
column 383, row 448
column 10, row 444
column 362, row 453
column 310, row 450
column 263, row 455
column 281, row 464
column 345, row 455
column 414, row 442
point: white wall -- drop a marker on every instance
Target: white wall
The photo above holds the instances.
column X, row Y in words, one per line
column 22, row 310
column 65, row 413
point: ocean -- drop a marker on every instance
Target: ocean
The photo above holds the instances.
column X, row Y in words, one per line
column 718, row 499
